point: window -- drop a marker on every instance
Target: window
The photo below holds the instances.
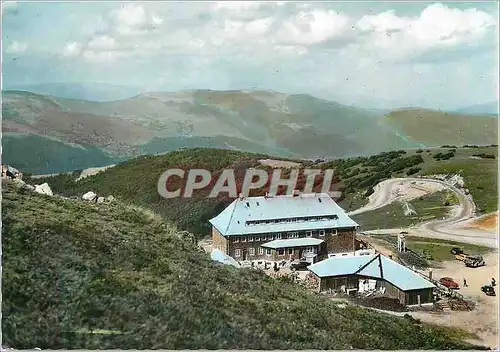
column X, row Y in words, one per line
column 243, row 239
column 251, row 251
column 261, row 250
column 270, row 237
column 293, row 235
column 264, row 238
column 278, row 236
column 236, row 240
column 309, row 233
column 237, row 253
column 322, row 232
column 257, row 238
column 334, row 232
column 310, row 249
column 268, row 251
column 290, row 251
column 281, row 251
column 250, row 239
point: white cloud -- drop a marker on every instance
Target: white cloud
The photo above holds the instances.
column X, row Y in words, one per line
column 314, row 27
column 72, row 49
column 102, row 43
column 16, row 47
column 237, row 5
column 438, row 27
column 133, row 19
column 269, row 31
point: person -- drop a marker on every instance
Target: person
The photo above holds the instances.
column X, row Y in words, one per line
column 493, row 282
column 465, row 283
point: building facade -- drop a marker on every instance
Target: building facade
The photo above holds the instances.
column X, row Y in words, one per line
column 373, row 273
column 300, row 226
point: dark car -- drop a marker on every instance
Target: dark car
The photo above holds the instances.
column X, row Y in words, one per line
column 489, row 290
column 448, row 282
column 299, row 265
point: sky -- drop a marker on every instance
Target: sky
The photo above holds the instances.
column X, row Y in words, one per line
column 372, row 54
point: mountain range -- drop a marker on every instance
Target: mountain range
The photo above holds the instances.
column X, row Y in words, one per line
column 45, row 133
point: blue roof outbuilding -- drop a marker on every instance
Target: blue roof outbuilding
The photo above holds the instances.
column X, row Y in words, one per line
column 375, row 266
column 219, row 256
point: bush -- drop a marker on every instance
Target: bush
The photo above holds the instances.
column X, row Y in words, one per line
column 413, row 171
column 484, row 156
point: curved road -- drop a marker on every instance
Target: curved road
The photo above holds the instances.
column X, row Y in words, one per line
column 445, row 229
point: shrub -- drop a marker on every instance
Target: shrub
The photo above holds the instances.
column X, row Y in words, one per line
column 413, row 171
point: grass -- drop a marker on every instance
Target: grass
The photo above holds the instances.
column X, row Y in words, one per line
column 427, row 208
column 432, row 127
column 437, row 249
column 71, row 267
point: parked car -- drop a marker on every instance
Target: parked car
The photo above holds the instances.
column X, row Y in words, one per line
column 448, row 282
column 474, row 261
column 299, row 265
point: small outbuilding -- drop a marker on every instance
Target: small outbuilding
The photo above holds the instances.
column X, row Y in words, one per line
column 371, row 273
column 220, row 257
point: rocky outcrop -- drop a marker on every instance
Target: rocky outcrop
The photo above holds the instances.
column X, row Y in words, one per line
column 43, row 189
column 90, row 196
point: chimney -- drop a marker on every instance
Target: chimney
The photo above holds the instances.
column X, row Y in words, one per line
column 296, row 192
column 265, row 197
column 241, row 196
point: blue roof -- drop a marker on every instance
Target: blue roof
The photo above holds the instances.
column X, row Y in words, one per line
column 219, row 256
column 294, row 242
column 369, row 265
column 232, row 220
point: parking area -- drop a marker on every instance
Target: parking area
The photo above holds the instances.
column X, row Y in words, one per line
column 483, row 321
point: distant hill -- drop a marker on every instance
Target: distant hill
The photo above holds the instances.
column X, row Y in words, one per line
column 114, row 276
column 298, row 126
column 81, row 91
column 436, row 128
column 480, row 109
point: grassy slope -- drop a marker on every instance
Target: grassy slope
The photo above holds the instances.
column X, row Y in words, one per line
column 392, row 216
column 438, row 249
column 70, row 267
column 435, row 128
column 135, row 181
